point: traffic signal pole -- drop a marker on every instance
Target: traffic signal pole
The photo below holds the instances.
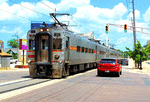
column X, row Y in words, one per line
column 134, row 28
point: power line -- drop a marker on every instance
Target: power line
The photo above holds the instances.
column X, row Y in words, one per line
column 47, row 5
column 28, row 8
column 64, row 16
column 15, row 14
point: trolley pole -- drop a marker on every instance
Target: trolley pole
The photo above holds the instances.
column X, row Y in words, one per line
column 134, row 29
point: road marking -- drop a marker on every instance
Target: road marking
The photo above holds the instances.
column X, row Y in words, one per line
column 30, row 88
column 15, row 81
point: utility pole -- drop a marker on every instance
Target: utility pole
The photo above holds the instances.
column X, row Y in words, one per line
column 134, row 28
column 16, row 35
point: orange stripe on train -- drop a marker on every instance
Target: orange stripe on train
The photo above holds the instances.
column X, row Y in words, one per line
column 73, row 48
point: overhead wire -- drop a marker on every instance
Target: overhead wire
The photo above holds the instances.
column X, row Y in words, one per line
column 64, row 16
column 15, row 14
column 28, row 8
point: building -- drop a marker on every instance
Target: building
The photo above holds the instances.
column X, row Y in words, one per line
column 3, row 54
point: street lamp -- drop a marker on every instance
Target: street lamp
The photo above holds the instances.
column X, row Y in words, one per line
column 140, row 59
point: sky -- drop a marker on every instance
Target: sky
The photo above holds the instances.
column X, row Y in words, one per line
column 88, row 15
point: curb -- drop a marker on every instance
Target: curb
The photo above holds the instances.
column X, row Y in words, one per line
column 5, row 69
column 21, row 66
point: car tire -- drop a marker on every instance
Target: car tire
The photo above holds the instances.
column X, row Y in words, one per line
column 99, row 73
column 118, row 74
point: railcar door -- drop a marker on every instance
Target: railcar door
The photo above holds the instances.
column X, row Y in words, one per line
column 96, row 53
column 67, row 49
column 43, row 48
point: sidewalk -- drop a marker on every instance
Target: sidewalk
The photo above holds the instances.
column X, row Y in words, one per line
column 145, row 67
column 143, row 71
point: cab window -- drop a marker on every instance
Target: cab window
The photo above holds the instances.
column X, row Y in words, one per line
column 57, row 44
column 31, row 44
column 44, row 44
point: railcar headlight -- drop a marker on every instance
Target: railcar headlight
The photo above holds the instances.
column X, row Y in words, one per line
column 57, row 56
column 41, row 30
column 47, row 30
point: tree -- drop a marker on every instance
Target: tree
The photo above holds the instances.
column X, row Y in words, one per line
column 138, row 55
column 124, row 53
column 12, row 43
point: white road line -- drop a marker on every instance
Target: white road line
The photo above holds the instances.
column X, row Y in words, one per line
column 30, row 88
column 15, row 81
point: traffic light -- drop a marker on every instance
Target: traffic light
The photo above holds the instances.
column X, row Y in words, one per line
column 125, row 28
column 107, row 29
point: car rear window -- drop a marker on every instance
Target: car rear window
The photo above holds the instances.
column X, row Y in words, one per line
column 112, row 61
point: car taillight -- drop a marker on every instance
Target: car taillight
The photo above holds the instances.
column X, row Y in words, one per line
column 126, row 61
column 30, row 56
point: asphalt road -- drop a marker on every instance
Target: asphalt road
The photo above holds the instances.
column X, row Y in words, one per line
column 88, row 87
column 10, row 75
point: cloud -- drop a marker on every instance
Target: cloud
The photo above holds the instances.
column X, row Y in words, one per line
column 94, row 13
column 123, row 40
column 65, row 5
column 25, row 9
column 145, row 37
column 137, row 15
column 5, row 30
column 147, row 15
column 96, row 18
column 2, row 1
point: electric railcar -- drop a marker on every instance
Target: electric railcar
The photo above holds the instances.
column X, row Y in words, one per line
column 56, row 52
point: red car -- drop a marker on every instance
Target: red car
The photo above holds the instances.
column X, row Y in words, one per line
column 109, row 65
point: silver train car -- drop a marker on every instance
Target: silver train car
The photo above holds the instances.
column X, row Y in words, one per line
column 56, row 52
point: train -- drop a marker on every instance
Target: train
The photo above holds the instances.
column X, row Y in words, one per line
column 55, row 52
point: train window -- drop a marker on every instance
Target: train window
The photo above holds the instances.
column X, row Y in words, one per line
column 31, row 44
column 44, row 44
column 89, row 50
column 92, row 50
column 57, row 44
column 78, row 48
column 102, row 52
column 82, row 49
column 86, row 50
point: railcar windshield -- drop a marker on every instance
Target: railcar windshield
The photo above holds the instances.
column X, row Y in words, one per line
column 112, row 61
column 57, row 44
column 44, row 44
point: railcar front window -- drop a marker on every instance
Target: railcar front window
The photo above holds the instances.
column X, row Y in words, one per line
column 57, row 44
column 31, row 45
column 112, row 61
column 44, row 44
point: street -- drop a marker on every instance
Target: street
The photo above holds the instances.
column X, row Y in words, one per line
column 88, row 87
